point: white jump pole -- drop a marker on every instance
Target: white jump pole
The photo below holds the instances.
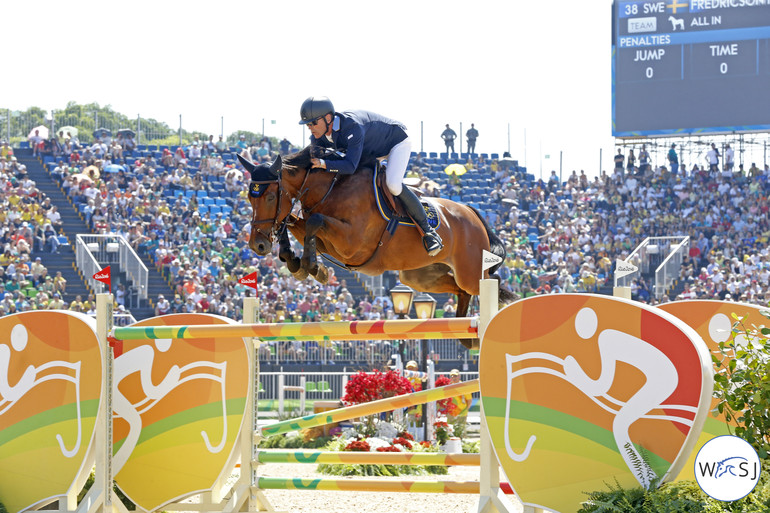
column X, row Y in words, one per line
column 101, row 497
column 491, row 498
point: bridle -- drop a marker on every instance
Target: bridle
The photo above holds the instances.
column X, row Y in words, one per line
column 276, row 226
column 256, row 222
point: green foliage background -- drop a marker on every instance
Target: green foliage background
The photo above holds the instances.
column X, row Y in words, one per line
column 90, row 116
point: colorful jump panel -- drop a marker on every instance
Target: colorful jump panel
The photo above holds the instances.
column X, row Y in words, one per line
column 50, row 388
column 587, row 390
column 713, row 321
column 178, row 407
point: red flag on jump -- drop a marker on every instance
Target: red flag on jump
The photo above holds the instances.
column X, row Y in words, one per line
column 104, row 276
column 250, row 280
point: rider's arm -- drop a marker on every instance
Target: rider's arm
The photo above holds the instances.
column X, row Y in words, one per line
column 353, row 137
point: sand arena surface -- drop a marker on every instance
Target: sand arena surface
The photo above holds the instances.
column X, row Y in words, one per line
column 296, row 501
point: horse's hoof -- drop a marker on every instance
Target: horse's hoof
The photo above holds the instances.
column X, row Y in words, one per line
column 300, row 274
column 294, row 265
column 311, row 265
column 322, row 275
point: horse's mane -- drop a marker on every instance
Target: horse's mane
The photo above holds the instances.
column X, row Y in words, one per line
column 299, row 160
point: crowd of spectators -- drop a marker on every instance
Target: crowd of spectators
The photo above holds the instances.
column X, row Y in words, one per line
column 564, row 236
column 29, row 226
column 186, row 207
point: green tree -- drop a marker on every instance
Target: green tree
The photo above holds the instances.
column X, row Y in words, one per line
column 742, row 382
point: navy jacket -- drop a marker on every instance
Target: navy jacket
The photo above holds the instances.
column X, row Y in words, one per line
column 360, row 137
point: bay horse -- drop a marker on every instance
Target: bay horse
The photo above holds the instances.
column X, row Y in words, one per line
column 337, row 215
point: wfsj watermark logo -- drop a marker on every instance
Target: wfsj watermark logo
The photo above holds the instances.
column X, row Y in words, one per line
column 727, row 468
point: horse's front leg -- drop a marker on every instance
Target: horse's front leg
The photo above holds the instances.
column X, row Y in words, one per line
column 285, row 253
column 310, row 254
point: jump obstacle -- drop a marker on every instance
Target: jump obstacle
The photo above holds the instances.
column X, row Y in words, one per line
column 247, row 493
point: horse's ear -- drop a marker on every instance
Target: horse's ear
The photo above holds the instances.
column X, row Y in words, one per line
column 276, row 165
column 247, row 163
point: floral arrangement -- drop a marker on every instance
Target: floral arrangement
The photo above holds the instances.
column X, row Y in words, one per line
column 388, row 438
column 443, row 432
column 445, row 406
column 365, row 387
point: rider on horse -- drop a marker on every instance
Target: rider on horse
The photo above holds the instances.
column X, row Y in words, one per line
column 359, row 137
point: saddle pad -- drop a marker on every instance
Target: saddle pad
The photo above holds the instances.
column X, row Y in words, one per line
column 434, row 221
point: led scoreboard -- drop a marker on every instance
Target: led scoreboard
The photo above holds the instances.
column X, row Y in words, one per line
column 690, row 66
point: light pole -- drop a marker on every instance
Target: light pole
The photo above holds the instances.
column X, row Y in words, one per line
column 401, row 297
column 424, row 307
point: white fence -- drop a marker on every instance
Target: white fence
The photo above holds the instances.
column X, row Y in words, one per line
column 372, row 353
column 93, row 252
column 661, row 256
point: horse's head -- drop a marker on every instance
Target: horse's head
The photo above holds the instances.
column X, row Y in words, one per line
column 264, row 196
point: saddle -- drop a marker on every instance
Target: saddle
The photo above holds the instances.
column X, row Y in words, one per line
column 393, row 211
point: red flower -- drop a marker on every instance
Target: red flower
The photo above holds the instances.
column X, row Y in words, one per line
column 402, row 441
column 358, row 445
column 406, row 434
column 363, row 387
column 390, row 448
column 445, row 406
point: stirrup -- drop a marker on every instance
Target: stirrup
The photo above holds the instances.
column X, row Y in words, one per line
column 432, row 242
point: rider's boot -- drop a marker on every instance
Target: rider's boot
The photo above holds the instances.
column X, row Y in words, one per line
column 430, row 239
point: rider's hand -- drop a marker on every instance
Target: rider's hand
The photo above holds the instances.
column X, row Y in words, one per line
column 318, row 163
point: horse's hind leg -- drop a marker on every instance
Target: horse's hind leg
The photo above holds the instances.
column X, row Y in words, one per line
column 436, row 278
column 463, row 304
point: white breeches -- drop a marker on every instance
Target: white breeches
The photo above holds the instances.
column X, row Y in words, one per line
column 398, row 159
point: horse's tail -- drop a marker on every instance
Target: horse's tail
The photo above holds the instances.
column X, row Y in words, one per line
column 496, row 247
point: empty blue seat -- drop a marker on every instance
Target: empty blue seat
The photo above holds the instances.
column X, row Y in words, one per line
column 213, row 209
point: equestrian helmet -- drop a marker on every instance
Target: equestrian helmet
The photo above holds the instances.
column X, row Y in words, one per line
column 315, row 107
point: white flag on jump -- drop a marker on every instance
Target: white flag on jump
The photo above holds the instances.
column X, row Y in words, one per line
column 488, row 260
column 623, row 268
